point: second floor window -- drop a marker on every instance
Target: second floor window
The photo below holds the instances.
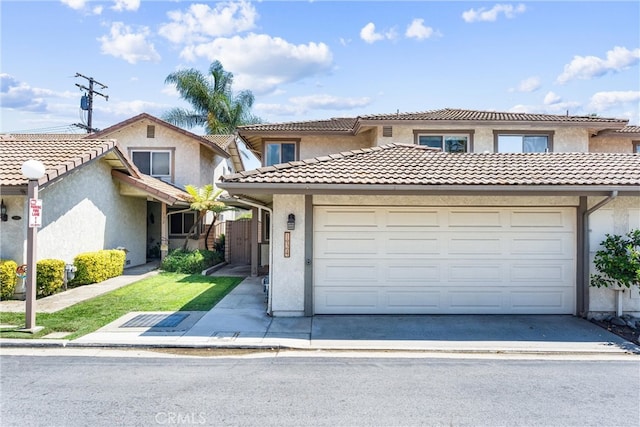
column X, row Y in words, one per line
column 279, row 152
column 523, row 143
column 446, row 143
column 154, row 163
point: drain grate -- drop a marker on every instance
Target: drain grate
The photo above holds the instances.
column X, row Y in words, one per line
column 155, row 320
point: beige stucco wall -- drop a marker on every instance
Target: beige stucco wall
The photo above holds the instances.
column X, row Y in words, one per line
column 610, row 144
column 316, row 146
column 445, row 200
column 13, row 232
column 565, row 139
column 287, row 288
column 77, row 218
column 618, row 217
column 192, row 163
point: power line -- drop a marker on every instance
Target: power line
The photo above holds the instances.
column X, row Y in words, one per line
column 87, row 101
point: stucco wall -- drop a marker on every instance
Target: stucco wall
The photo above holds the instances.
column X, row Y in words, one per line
column 618, row 217
column 287, row 289
column 85, row 212
column 616, row 144
column 188, row 167
column 445, row 200
column 316, row 146
column 565, row 139
column 13, row 232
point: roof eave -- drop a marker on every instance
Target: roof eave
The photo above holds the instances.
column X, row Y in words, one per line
column 395, row 189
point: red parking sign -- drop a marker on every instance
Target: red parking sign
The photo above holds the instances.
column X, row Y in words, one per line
column 35, row 213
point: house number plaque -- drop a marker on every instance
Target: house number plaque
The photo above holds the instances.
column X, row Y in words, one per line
column 287, row 244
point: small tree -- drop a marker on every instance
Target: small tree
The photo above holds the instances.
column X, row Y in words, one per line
column 618, row 262
column 203, row 200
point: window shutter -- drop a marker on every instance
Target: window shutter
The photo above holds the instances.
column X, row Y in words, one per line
column 387, row 131
column 151, row 131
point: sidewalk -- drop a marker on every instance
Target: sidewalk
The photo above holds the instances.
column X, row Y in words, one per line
column 240, row 321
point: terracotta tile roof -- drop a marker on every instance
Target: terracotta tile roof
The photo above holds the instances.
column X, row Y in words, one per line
column 105, row 133
column 447, row 114
column 162, row 190
column 629, row 129
column 442, row 115
column 58, row 156
column 41, row 136
column 331, row 125
column 221, row 141
column 399, row 165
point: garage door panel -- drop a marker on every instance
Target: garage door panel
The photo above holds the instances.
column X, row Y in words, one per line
column 348, row 218
column 445, row 260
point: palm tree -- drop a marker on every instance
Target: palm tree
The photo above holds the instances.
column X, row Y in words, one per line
column 203, row 200
column 215, row 106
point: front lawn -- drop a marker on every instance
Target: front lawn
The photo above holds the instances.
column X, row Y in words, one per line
column 163, row 292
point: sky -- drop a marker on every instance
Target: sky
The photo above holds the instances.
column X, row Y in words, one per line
column 312, row 60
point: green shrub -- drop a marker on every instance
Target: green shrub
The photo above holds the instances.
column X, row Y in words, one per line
column 190, row 262
column 618, row 262
column 95, row 267
column 8, row 278
column 49, row 276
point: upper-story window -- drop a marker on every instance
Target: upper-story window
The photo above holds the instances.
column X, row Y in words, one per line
column 523, row 142
column 636, row 146
column 280, row 152
column 156, row 163
column 447, row 141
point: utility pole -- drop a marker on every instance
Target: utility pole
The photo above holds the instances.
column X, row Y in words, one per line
column 87, row 101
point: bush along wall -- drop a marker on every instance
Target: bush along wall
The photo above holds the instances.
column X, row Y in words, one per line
column 95, row 267
column 8, row 278
column 49, row 276
column 190, row 262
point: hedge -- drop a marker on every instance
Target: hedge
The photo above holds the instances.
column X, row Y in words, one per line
column 49, row 276
column 8, row 278
column 95, row 267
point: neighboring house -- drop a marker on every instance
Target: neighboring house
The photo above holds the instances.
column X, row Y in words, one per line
column 446, row 211
column 179, row 157
column 93, row 198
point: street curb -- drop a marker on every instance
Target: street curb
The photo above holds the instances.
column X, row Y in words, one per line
column 263, row 347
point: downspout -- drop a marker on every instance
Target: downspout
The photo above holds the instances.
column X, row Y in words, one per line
column 585, row 247
column 259, row 206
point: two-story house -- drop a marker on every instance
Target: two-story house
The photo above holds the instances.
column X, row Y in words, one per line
column 447, row 211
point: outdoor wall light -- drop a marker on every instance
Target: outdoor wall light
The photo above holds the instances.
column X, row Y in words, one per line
column 3, row 211
column 291, row 222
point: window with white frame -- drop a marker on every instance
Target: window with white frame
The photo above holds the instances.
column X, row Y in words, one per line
column 636, row 146
column 156, row 163
column 447, row 142
column 279, row 152
column 516, row 142
column 181, row 223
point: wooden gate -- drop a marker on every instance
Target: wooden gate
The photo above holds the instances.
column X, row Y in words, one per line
column 238, row 242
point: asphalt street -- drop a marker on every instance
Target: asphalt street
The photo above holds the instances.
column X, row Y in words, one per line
column 273, row 389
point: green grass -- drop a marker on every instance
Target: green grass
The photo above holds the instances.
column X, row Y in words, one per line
column 162, row 292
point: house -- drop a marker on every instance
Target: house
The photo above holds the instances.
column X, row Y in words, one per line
column 181, row 158
column 447, row 211
column 93, row 198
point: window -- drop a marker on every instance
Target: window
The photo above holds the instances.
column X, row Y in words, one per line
column 449, row 141
column 507, row 142
column 151, row 131
column 154, row 163
column 279, row 152
column 181, row 223
column 636, row 146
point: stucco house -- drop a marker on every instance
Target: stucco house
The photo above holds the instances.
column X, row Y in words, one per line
column 441, row 212
column 93, row 197
column 181, row 158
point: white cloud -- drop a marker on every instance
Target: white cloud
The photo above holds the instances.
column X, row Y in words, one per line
column 573, row 107
column 606, row 100
column 530, row 84
column 201, row 22
column 418, row 30
column 588, row 67
column 121, row 5
column 551, row 98
column 18, row 95
column 369, row 35
column 123, row 43
column 75, row 4
column 260, row 62
column 491, row 15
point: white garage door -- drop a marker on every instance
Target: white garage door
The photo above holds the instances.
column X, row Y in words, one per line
column 396, row 260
